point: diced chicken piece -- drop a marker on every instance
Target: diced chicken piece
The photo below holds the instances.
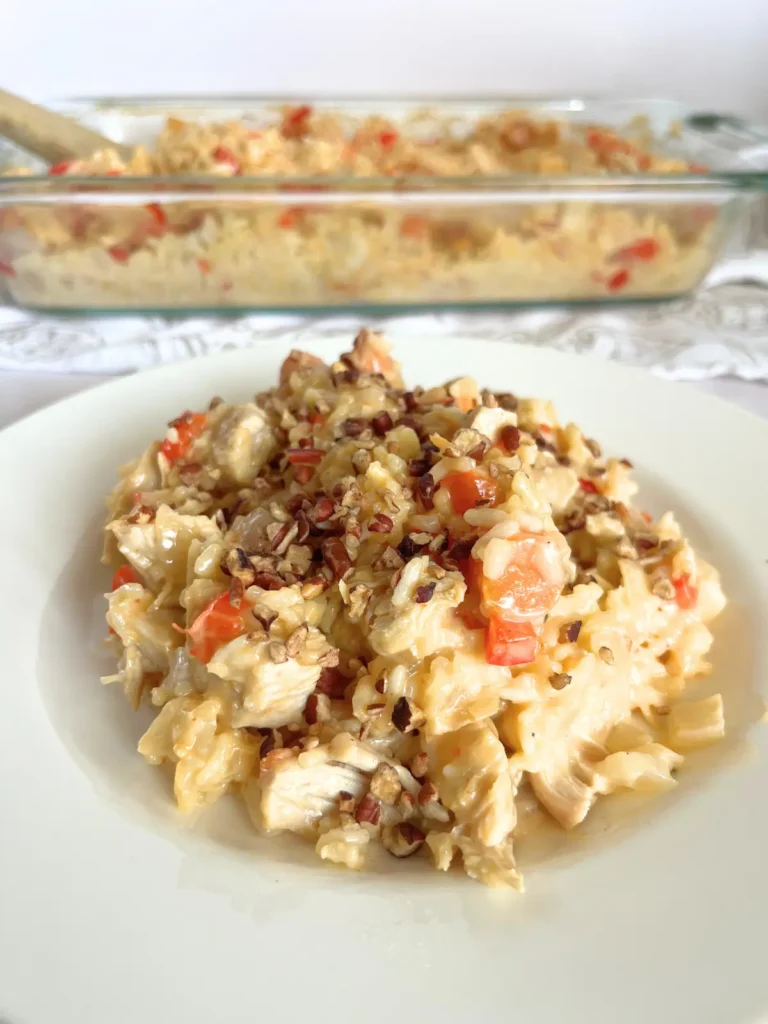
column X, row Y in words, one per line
column 270, row 688
column 371, row 354
column 160, row 550
column 411, row 621
column 460, row 688
column 295, row 362
column 242, row 442
column 556, row 486
column 566, row 796
column 489, row 421
column 648, row 769
column 297, row 791
column 148, row 630
column 493, row 866
column 143, row 474
column 209, row 756
column 472, row 775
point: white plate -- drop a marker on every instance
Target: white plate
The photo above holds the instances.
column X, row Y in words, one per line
column 116, row 910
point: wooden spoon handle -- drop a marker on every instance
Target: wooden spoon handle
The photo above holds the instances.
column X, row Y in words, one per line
column 54, row 137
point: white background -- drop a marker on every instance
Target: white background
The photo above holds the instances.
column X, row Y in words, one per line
column 709, row 52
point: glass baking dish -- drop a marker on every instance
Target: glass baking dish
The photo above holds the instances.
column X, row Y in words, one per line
column 191, row 242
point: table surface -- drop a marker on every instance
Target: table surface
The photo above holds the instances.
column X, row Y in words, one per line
column 22, row 393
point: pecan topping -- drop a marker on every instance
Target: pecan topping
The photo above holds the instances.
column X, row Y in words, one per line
column 346, row 803
column 332, row 683
column 408, row 547
column 418, row 467
column 424, row 594
column 302, row 527
column 297, row 641
column 606, row 654
column 462, row 549
column 369, row 809
column 402, row 840
column 559, row 680
column 236, row 592
column 380, row 524
column 336, row 557
column 354, row 427
column 409, row 400
column 405, row 716
column 310, row 710
column 426, row 488
column 330, row 659
column 323, row 510
column 278, row 652
column 238, row 565
column 381, row 423
column 569, row 633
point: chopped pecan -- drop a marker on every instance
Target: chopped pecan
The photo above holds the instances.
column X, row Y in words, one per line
column 354, row 427
column 468, row 442
column 330, row 659
column 418, row 467
column 238, row 565
column 268, row 581
column 236, row 592
column 385, row 784
column 323, row 509
column 559, row 680
column 336, row 557
column 382, row 422
column 314, row 587
column 297, row 641
column 408, row 547
column 569, row 632
column 369, row 809
column 278, row 652
column 402, row 840
column 506, row 400
column 346, row 803
column 390, row 558
column 426, row 489
column 302, row 526
column 406, row 716
column 462, row 549
column 606, row 654
column 332, row 683
column 380, row 523
column 361, row 460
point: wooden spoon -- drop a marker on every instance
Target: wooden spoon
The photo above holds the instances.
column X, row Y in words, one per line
column 51, row 136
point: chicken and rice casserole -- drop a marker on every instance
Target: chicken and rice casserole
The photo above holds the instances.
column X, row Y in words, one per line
column 403, row 617
column 289, row 251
